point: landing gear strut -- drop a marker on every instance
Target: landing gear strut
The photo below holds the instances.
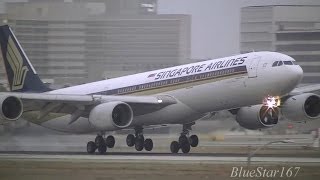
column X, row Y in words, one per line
column 138, row 140
column 101, row 144
column 185, row 141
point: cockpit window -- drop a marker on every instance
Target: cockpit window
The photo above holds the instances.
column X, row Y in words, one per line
column 280, row 63
column 275, row 64
column 288, row 62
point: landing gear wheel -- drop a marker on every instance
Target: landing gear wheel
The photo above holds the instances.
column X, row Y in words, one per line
column 185, row 142
column 140, row 138
column 130, row 140
column 102, row 148
column 194, row 140
column 99, row 140
column 91, row 147
column 185, row 148
column 183, row 139
column 110, row 141
column 139, row 143
column 174, row 147
column 148, row 145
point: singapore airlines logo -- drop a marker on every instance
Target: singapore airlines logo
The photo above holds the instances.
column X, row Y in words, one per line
column 16, row 62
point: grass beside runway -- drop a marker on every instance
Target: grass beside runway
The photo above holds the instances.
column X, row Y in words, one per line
column 22, row 169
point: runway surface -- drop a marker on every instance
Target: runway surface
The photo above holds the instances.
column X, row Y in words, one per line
column 156, row 157
column 231, row 149
column 64, row 157
column 76, row 143
column 150, row 166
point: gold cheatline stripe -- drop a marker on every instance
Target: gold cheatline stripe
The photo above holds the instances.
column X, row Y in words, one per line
column 180, row 85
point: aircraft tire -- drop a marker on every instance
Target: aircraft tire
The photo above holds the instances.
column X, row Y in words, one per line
column 110, row 141
column 99, row 140
column 174, row 147
column 91, row 147
column 130, row 140
column 102, row 148
column 194, row 140
column 139, row 143
column 185, row 148
column 183, row 139
column 148, row 144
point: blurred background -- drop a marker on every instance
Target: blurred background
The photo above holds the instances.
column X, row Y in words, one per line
column 72, row 42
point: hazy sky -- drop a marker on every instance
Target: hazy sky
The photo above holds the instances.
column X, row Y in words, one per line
column 215, row 23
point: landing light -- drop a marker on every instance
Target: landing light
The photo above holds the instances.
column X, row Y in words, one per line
column 271, row 105
column 159, row 100
column 271, row 102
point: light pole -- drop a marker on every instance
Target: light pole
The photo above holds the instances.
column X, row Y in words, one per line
column 251, row 154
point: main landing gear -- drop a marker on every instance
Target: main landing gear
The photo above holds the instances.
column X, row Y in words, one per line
column 101, row 144
column 138, row 140
column 185, row 141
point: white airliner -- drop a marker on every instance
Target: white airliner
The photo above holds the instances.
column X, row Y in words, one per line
column 251, row 86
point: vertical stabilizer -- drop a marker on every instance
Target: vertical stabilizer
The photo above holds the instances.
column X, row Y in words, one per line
column 21, row 75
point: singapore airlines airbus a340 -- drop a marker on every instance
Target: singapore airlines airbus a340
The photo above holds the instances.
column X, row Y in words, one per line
column 256, row 87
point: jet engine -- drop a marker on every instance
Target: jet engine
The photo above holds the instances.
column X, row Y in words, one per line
column 257, row 117
column 11, row 108
column 301, row 107
column 111, row 116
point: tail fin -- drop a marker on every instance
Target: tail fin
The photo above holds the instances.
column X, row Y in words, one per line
column 21, row 75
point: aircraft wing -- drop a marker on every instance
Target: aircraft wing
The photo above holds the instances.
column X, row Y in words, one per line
column 63, row 103
column 313, row 88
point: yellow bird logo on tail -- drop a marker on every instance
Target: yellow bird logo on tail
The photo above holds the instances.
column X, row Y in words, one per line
column 16, row 62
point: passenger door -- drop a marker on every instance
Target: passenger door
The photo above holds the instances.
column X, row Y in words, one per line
column 253, row 67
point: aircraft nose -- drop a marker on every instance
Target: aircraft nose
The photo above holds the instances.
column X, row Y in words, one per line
column 296, row 73
column 292, row 78
column 299, row 72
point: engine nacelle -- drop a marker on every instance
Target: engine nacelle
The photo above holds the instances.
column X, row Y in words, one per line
column 11, row 108
column 257, row 117
column 111, row 116
column 302, row 107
